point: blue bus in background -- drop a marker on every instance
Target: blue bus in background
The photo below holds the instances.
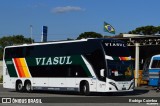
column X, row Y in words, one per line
column 154, row 70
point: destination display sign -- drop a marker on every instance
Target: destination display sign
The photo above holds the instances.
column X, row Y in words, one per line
column 116, row 44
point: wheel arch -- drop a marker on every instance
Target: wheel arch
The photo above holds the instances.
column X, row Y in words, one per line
column 82, row 83
column 17, row 85
column 17, row 81
column 26, row 81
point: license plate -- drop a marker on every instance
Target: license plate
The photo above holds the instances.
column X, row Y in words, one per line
column 123, row 88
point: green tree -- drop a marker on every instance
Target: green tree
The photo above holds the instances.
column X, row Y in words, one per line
column 89, row 35
column 146, row 30
column 12, row 40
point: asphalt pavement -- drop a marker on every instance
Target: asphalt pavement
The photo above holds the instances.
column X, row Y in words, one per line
column 142, row 96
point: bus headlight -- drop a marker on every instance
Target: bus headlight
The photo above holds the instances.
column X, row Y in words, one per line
column 131, row 86
column 113, row 84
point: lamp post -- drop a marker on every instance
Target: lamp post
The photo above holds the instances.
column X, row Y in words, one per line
column 137, row 64
column 31, row 28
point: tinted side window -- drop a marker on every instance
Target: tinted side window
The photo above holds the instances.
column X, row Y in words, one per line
column 155, row 64
column 76, row 71
column 75, row 48
column 16, row 52
column 57, row 71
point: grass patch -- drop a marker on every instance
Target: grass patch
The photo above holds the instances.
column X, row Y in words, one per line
column 1, row 79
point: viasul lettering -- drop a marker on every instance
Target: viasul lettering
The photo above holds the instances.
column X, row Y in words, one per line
column 53, row 60
column 115, row 44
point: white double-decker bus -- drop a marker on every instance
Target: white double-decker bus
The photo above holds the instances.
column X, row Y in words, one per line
column 87, row 65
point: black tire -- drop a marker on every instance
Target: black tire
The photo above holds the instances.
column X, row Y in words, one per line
column 28, row 87
column 85, row 89
column 19, row 86
column 109, row 93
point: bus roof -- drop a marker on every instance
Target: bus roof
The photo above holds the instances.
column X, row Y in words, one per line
column 63, row 41
column 156, row 57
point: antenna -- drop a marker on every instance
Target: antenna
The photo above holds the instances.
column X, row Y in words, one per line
column 31, row 28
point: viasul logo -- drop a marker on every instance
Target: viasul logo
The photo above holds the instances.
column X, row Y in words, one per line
column 115, row 44
column 54, row 60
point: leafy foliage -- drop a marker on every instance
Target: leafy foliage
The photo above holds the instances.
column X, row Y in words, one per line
column 89, row 35
column 146, row 30
column 12, row 40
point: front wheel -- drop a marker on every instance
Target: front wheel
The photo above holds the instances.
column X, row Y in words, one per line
column 85, row 89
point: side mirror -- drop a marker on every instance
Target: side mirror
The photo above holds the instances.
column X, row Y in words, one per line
column 102, row 72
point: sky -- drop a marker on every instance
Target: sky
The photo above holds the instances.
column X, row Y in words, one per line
column 69, row 18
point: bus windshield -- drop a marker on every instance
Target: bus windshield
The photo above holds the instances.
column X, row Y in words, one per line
column 120, row 70
column 120, row 67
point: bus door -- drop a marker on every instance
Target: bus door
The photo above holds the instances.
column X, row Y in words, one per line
column 6, row 76
column 101, row 84
column 7, row 80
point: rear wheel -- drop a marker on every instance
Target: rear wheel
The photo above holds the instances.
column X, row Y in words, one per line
column 28, row 86
column 19, row 86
